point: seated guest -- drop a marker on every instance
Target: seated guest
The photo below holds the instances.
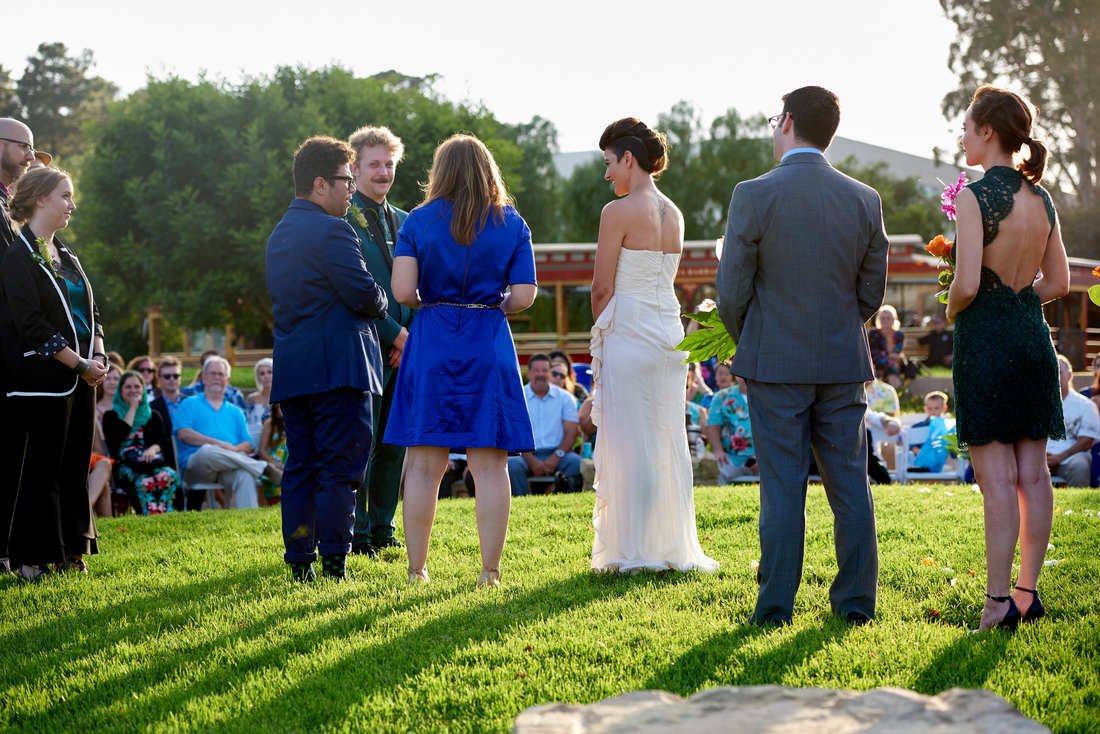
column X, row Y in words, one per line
column 116, row 359
column 560, row 360
column 166, row 403
column 702, row 394
column 147, row 368
column 136, row 438
column 213, row 441
column 99, row 475
column 259, row 402
column 1070, row 458
column 553, row 414
column 457, row 469
column 729, row 432
column 887, row 426
column 232, row 395
column 273, row 450
column 927, row 456
column 940, row 343
column 695, row 417
column 105, row 392
column 886, row 345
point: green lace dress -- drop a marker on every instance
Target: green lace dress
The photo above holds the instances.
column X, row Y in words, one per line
column 1004, row 368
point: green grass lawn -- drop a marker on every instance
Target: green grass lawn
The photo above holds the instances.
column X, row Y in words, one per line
column 189, row 622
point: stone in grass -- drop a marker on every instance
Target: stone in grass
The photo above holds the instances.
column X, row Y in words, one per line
column 779, row 709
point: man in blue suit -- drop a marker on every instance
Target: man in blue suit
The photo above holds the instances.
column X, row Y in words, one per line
column 376, row 222
column 327, row 362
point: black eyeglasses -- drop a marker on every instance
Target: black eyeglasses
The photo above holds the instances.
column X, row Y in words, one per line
column 558, row 374
column 170, row 375
column 147, row 370
column 27, row 148
column 774, row 120
column 350, row 181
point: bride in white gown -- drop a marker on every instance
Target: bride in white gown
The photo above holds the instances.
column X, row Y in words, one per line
column 645, row 509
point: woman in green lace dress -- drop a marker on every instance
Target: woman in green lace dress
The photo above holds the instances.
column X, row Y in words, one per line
column 1008, row 399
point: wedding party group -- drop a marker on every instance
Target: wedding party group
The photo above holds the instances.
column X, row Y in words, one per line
column 392, row 351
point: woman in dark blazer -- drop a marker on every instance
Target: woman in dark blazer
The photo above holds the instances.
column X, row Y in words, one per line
column 53, row 348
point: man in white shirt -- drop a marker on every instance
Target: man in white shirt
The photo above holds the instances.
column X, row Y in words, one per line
column 1070, row 458
column 553, row 414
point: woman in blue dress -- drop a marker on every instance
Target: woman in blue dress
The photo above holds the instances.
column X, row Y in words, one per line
column 1007, row 396
column 464, row 258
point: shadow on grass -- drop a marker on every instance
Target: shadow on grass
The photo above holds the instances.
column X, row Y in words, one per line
column 397, row 661
column 965, row 663
column 704, row 663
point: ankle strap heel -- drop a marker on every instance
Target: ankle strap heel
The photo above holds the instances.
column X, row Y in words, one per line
column 1035, row 609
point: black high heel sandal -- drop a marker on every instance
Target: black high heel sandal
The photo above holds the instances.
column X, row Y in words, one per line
column 1011, row 620
column 1036, row 609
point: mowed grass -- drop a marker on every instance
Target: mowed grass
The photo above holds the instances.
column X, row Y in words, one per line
column 189, row 622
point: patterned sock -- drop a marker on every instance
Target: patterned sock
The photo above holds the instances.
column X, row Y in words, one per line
column 303, row 572
column 334, row 566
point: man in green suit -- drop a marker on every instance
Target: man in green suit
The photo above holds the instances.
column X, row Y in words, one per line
column 376, row 222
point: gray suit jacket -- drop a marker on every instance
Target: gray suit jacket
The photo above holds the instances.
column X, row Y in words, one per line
column 802, row 270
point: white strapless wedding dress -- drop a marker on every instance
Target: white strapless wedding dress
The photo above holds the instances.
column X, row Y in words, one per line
column 645, row 508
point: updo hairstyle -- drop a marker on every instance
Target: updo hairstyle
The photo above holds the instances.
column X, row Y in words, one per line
column 1010, row 117
column 649, row 147
column 29, row 188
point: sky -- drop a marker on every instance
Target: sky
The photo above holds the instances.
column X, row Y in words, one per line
column 578, row 64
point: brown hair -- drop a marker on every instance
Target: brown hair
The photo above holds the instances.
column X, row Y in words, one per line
column 32, row 186
column 368, row 137
column 1010, row 117
column 318, row 156
column 463, row 171
column 816, row 114
column 649, row 147
column 168, row 361
column 127, row 375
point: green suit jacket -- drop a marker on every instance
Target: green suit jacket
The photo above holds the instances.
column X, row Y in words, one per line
column 397, row 315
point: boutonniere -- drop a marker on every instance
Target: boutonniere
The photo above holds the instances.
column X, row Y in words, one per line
column 357, row 216
column 42, row 255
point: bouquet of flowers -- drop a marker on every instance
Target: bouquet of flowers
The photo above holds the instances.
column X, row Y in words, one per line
column 711, row 340
column 940, row 246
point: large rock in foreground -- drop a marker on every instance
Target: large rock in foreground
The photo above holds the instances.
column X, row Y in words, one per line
column 781, row 710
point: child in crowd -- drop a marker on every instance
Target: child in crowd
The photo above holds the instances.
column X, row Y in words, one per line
column 930, row 455
column 273, row 451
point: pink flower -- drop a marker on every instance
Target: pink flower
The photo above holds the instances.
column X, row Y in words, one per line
column 950, row 193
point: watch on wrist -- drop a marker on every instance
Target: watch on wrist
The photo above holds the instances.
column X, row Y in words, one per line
column 559, row 453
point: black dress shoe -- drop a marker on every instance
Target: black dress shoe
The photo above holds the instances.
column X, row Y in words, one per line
column 390, row 542
column 364, row 549
column 857, row 618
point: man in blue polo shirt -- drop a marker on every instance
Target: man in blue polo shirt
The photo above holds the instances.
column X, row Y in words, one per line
column 553, row 414
column 213, row 440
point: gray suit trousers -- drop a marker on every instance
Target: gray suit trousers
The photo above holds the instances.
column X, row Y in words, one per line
column 787, row 422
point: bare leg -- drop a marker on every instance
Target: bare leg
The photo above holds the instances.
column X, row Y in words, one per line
column 995, row 470
column 493, row 504
column 424, row 467
column 1036, row 503
column 99, row 488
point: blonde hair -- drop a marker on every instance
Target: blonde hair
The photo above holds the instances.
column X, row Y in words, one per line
column 463, row 171
column 887, row 309
column 368, row 137
column 33, row 185
column 937, row 395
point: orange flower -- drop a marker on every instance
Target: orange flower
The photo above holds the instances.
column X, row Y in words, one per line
column 1096, row 271
column 938, row 247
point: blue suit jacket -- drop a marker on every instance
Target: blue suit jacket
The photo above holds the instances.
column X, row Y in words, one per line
column 325, row 303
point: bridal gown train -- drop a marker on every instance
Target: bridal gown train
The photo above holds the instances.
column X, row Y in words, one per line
column 645, row 508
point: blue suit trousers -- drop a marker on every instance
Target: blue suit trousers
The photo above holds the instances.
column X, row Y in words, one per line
column 328, row 438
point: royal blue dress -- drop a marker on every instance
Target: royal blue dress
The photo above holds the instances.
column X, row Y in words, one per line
column 459, row 384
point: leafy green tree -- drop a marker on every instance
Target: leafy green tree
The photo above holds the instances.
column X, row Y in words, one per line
column 9, row 102
column 1050, row 51
column 57, row 94
column 183, row 181
column 906, row 207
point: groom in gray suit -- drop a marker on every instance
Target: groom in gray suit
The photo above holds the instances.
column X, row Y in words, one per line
column 803, row 269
